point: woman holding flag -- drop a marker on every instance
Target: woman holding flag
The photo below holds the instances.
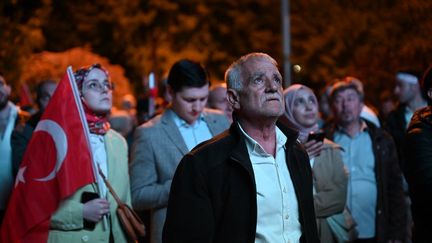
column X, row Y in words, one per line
column 89, row 215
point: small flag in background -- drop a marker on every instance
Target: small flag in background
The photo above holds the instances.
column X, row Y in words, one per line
column 25, row 97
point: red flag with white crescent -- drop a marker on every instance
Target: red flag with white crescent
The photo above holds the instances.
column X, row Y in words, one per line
column 56, row 163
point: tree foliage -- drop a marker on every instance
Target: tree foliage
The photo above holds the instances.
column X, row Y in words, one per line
column 330, row 38
column 52, row 65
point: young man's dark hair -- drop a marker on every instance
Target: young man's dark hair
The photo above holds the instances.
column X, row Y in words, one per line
column 426, row 84
column 187, row 73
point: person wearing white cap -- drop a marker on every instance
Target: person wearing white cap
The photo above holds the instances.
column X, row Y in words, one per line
column 407, row 90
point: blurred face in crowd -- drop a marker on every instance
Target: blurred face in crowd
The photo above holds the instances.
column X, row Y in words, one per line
column 305, row 110
column 218, row 100
column 404, row 91
column 46, row 94
column 189, row 102
column 261, row 95
column 4, row 92
column 97, row 91
column 347, row 106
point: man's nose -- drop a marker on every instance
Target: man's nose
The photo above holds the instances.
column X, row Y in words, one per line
column 271, row 85
column 196, row 106
column 345, row 104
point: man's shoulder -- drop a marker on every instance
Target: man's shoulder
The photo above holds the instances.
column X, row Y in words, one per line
column 153, row 123
column 218, row 142
column 396, row 116
column 421, row 121
column 379, row 135
column 217, row 148
column 214, row 114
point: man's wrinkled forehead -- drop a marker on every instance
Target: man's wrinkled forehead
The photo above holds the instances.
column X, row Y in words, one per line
column 258, row 66
column 346, row 92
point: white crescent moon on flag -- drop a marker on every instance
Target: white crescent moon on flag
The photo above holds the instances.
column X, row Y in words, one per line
column 60, row 141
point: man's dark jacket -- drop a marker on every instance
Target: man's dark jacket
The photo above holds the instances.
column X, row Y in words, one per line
column 418, row 172
column 391, row 208
column 213, row 193
column 396, row 126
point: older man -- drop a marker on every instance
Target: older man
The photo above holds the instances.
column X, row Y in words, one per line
column 252, row 183
column 375, row 196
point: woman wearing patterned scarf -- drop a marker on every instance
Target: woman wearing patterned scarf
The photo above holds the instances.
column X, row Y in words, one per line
column 80, row 217
column 329, row 177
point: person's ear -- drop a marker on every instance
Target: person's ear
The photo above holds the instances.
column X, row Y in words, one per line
column 233, row 99
column 8, row 89
column 429, row 93
column 170, row 90
column 83, row 100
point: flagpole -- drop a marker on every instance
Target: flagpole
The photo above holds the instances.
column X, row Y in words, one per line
column 86, row 131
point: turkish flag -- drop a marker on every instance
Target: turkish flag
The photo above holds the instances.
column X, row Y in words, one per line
column 56, row 163
column 25, row 97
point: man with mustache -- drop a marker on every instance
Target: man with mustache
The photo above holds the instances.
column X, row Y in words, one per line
column 160, row 143
column 375, row 196
column 253, row 183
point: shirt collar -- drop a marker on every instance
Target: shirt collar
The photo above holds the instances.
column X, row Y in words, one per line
column 363, row 127
column 254, row 147
column 182, row 123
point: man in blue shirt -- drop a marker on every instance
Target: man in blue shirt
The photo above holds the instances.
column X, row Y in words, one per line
column 375, row 195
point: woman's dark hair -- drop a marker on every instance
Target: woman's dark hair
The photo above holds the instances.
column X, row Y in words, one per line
column 426, row 84
column 82, row 73
column 187, row 73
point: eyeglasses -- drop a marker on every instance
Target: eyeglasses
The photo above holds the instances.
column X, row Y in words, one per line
column 96, row 86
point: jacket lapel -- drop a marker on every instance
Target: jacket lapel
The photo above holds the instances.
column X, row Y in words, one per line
column 240, row 153
column 172, row 132
column 211, row 123
column 109, row 147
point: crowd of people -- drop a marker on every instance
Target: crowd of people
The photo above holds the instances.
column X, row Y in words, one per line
column 245, row 160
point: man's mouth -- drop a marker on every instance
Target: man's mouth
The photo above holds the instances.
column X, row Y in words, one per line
column 273, row 99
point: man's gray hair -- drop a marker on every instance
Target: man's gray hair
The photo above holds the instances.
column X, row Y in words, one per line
column 233, row 75
column 347, row 83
